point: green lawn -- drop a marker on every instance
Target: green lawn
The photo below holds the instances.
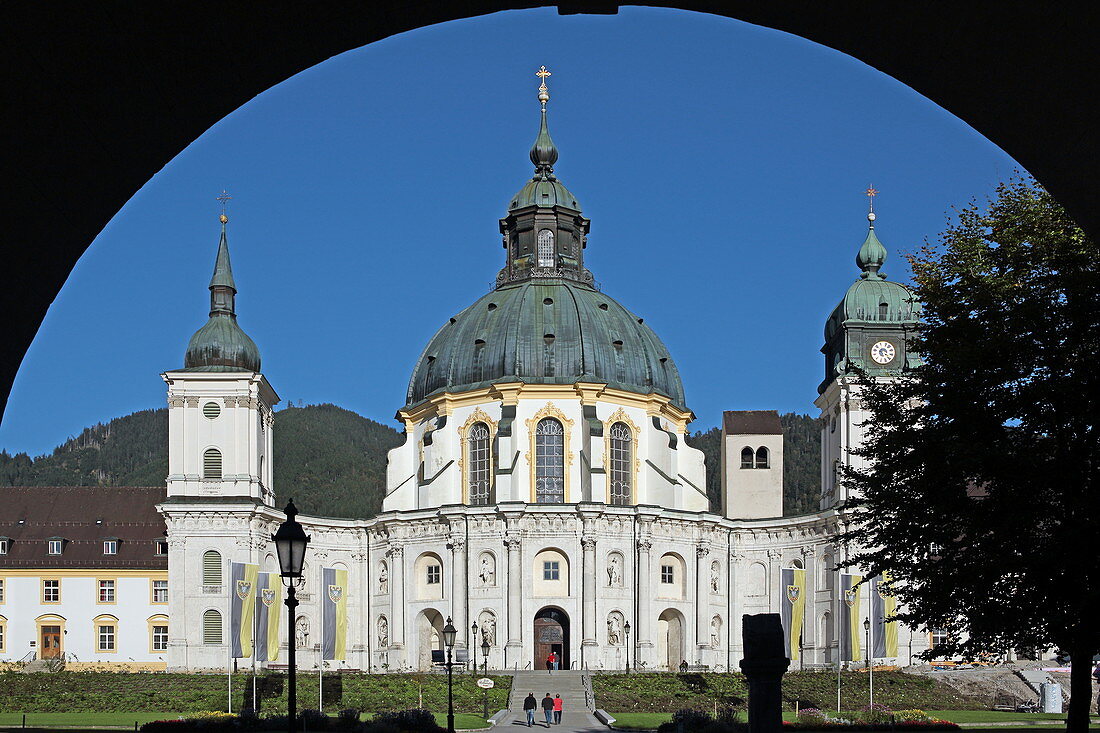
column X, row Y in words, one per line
column 82, row 720
column 650, row 721
column 640, row 721
column 463, row 721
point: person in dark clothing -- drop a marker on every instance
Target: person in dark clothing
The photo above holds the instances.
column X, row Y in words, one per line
column 529, row 705
column 548, row 709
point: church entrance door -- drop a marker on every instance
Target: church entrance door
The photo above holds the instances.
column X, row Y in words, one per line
column 51, row 642
column 551, row 635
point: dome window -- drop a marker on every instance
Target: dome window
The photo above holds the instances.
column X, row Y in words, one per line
column 603, row 306
column 492, row 306
column 478, row 448
column 548, row 301
column 546, row 248
column 549, row 462
column 618, row 344
column 479, row 343
column 622, row 445
column 211, row 410
column 883, row 309
column 549, row 339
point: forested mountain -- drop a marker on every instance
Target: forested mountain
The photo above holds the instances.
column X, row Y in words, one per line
column 332, row 461
column 801, row 463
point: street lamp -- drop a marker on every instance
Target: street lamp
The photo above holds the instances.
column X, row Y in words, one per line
column 473, row 644
column 485, row 672
column 449, row 634
column 290, row 542
column 867, row 656
column 626, row 628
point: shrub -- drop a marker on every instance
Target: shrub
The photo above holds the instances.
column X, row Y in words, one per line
column 347, row 719
column 313, row 720
column 409, row 721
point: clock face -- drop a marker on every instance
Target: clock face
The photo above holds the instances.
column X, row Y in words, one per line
column 883, row 352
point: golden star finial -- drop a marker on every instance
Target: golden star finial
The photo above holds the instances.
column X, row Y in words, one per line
column 224, row 198
column 544, row 94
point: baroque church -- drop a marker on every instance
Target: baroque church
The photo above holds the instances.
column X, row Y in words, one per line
column 545, row 498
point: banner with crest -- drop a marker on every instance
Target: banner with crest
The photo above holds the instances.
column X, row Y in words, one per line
column 269, row 591
column 334, row 613
column 242, row 605
column 884, row 630
column 851, row 620
column 792, row 608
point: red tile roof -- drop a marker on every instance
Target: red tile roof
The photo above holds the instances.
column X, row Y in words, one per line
column 751, row 422
column 84, row 516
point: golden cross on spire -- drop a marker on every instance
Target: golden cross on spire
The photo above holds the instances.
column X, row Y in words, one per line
column 544, row 95
column 224, row 198
column 871, row 193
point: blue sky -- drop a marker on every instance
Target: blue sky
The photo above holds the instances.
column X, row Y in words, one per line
column 722, row 165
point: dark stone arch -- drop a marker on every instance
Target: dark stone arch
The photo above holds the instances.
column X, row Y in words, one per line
column 89, row 82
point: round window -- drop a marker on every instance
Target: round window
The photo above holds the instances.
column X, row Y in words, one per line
column 211, row 410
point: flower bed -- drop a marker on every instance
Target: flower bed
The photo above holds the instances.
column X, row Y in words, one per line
column 874, row 717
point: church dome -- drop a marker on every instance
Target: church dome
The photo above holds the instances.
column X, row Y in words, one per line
column 545, row 332
column 221, row 345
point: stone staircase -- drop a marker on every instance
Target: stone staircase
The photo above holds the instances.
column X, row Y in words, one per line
column 574, row 687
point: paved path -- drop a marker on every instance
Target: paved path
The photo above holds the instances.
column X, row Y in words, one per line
column 576, row 718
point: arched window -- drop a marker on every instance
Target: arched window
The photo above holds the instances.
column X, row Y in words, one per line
column 212, row 464
column 746, row 457
column 211, row 568
column 883, row 309
column 212, row 627
column 546, row 248
column 762, row 457
column 621, row 463
column 549, row 462
column 480, row 463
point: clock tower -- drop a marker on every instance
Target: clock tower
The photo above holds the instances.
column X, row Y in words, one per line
column 868, row 331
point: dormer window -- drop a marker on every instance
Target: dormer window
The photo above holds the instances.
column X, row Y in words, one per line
column 162, row 547
column 110, row 547
column 55, row 546
column 4, row 545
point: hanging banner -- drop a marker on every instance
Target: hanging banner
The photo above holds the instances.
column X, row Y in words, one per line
column 334, row 613
column 268, row 596
column 851, row 620
column 884, row 632
column 792, row 608
column 242, row 604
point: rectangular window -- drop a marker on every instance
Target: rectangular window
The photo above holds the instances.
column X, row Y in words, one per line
column 3, row 628
column 106, row 638
column 110, row 547
column 551, row 570
column 55, row 547
column 162, row 547
column 1, row 590
column 51, row 591
column 106, row 591
column 160, row 591
column 939, row 636
column 160, row 638
column 435, row 574
column 667, row 574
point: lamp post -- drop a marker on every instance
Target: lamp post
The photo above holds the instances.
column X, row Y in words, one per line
column 290, row 542
column 449, row 633
column 485, row 672
column 867, row 657
column 473, row 644
column 626, row 628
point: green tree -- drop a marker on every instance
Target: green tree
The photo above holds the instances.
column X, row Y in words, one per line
column 980, row 495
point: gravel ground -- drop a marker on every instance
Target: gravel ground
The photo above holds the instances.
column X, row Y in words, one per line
column 986, row 683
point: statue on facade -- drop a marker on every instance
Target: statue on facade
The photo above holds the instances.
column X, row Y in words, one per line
column 487, row 571
column 615, row 629
column 715, row 631
column 301, row 633
column 383, row 579
column 614, row 570
column 488, row 629
column 715, row 577
column 383, row 632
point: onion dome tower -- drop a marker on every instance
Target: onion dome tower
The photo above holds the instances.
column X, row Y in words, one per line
column 869, row 328
column 545, row 322
column 221, row 345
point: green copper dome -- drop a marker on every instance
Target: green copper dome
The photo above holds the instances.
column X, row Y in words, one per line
column 221, row 345
column 544, row 189
column 545, row 332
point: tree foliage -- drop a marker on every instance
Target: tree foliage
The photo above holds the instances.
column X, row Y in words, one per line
column 980, row 491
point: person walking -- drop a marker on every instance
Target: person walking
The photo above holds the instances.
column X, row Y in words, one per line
column 529, row 705
column 558, row 704
column 550, row 663
column 548, row 709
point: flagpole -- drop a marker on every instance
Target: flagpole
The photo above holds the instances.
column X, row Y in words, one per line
column 872, row 591
column 321, row 596
column 839, row 640
column 229, row 641
column 255, row 630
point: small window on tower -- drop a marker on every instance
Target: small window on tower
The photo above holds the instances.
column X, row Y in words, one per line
column 211, row 410
column 212, row 464
column 668, row 574
column 435, row 574
column 746, row 457
column 762, row 457
column 551, row 570
column 882, row 311
column 546, row 248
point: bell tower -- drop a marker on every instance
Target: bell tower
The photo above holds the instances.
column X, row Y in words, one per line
column 868, row 332
column 220, row 407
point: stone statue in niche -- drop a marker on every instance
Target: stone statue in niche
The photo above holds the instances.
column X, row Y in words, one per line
column 488, row 628
column 383, row 579
column 487, row 571
column 301, row 633
column 715, row 631
column 383, row 632
column 715, row 577
column 614, row 570
column 615, row 629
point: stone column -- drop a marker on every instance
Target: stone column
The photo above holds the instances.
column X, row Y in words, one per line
column 644, row 635
column 459, row 588
column 702, row 600
column 588, row 598
column 396, row 554
column 774, row 587
column 514, row 648
column 763, row 667
column 736, row 577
